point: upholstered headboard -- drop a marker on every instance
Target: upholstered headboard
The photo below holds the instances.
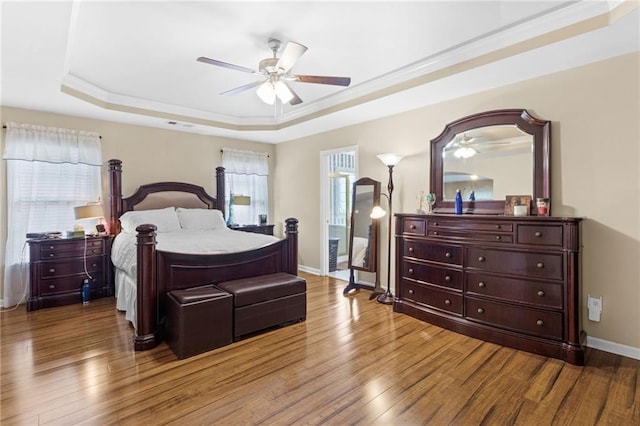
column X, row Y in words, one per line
column 159, row 195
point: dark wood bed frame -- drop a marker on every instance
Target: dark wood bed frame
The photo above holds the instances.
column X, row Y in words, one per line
column 159, row 272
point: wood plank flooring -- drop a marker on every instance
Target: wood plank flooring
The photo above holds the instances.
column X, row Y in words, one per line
column 353, row 361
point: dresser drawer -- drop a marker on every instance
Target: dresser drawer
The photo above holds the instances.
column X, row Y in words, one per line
column 468, row 235
column 66, row 284
column 434, row 252
column 517, row 318
column 540, row 235
column 71, row 248
column 451, row 278
column 537, row 265
column 50, row 269
column 433, row 297
column 414, row 226
column 517, row 290
column 436, row 224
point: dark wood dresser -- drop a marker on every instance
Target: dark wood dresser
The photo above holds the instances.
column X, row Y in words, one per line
column 57, row 270
column 509, row 280
column 256, row 229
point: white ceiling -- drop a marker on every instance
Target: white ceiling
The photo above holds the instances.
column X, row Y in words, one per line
column 135, row 61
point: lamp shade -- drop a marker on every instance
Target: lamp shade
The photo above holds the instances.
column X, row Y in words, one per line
column 90, row 211
column 241, row 200
column 390, row 159
column 377, row 212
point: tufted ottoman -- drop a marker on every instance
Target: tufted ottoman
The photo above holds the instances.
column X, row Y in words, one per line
column 266, row 301
column 198, row 320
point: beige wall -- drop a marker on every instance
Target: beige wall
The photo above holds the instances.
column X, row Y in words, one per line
column 595, row 170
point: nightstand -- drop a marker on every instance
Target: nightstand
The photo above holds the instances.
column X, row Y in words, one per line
column 57, row 270
column 256, row 229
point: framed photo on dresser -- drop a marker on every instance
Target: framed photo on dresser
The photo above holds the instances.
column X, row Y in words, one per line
column 511, row 201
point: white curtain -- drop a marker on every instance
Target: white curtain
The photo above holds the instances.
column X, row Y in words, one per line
column 49, row 171
column 246, row 173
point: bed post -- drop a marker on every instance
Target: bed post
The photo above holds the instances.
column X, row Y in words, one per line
column 291, row 233
column 115, row 195
column 220, row 189
column 146, row 334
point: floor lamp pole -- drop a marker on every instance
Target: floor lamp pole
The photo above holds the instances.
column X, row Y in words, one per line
column 387, row 297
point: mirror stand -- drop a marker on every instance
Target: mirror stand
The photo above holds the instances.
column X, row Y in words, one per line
column 363, row 236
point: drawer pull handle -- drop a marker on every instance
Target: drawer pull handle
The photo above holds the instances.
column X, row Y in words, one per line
column 540, row 265
column 447, row 255
column 447, row 278
column 540, row 323
column 480, row 311
column 52, row 270
column 435, row 223
column 93, row 265
column 538, row 234
column 411, row 270
column 412, row 227
column 481, row 259
column 447, row 302
column 410, row 291
column 498, row 237
column 51, row 254
column 52, row 286
column 540, row 293
column 410, row 249
column 498, row 226
column 481, row 284
column 435, row 232
column 51, row 247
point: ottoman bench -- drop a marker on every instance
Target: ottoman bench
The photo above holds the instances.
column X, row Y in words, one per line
column 198, row 320
column 265, row 301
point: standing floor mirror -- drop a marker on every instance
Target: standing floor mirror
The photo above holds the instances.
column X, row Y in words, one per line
column 363, row 235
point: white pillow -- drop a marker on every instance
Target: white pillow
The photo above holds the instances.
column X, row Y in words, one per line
column 166, row 220
column 201, row 219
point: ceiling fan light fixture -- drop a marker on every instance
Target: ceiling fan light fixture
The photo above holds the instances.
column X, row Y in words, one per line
column 282, row 90
column 267, row 93
column 465, row 152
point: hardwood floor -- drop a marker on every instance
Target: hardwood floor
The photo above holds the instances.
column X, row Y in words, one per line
column 353, row 361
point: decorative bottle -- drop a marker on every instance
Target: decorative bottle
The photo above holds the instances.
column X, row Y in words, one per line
column 458, row 202
column 86, row 291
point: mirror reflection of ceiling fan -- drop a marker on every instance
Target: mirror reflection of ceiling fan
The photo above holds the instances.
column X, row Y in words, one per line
column 466, row 146
column 277, row 75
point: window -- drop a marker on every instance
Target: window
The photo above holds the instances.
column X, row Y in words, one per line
column 49, row 172
column 247, row 178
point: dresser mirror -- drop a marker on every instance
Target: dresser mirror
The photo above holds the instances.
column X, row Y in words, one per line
column 363, row 235
column 488, row 156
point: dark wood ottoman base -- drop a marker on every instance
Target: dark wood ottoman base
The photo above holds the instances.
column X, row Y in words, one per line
column 265, row 301
column 198, row 320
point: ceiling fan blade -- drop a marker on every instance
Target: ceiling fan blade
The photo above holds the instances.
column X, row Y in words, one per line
column 323, row 79
column 296, row 99
column 224, row 64
column 242, row 88
column 290, row 55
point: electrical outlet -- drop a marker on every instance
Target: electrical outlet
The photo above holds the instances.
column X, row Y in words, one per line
column 594, row 306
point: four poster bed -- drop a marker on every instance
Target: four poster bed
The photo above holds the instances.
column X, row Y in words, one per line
column 151, row 259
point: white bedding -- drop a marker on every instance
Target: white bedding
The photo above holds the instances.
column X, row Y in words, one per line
column 124, row 255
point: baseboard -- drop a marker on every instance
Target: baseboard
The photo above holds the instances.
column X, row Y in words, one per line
column 614, row 348
column 313, row 271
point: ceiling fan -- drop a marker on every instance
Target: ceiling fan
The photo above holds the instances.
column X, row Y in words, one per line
column 277, row 74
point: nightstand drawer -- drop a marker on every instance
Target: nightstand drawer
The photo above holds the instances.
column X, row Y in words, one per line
column 63, row 267
column 71, row 248
column 66, row 284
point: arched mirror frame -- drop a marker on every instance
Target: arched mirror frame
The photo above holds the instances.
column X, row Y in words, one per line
column 539, row 129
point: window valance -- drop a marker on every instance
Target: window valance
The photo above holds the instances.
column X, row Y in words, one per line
column 52, row 145
column 245, row 162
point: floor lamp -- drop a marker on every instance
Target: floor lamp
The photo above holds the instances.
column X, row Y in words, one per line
column 389, row 160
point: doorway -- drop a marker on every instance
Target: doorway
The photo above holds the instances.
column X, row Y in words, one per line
column 338, row 174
